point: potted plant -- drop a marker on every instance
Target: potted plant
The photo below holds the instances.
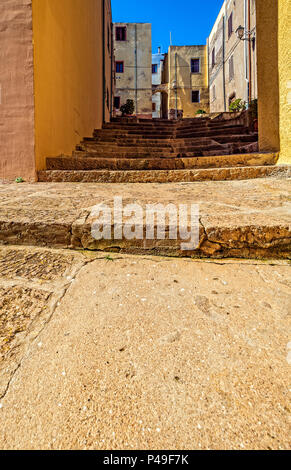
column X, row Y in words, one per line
column 237, row 105
column 127, row 109
column 200, row 112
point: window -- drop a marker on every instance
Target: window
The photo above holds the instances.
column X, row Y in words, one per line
column 195, row 65
column 154, row 68
column 119, row 67
column 213, row 57
column 231, row 69
column 230, row 25
column 196, row 96
column 213, row 93
column 154, row 107
column 120, row 33
column 117, row 102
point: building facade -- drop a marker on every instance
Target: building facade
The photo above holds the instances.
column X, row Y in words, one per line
column 133, row 66
column 56, row 79
column 232, row 61
column 157, row 72
column 186, row 76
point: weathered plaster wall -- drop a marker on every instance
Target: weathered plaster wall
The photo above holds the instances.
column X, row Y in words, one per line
column 235, row 48
column 68, row 55
column 136, row 81
column 16, row 90
column 284, row 56
column 187, row 81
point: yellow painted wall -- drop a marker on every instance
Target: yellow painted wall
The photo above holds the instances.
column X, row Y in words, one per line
column 284, row 56
column 274, row 76
column 68, row 73
column 268, row 80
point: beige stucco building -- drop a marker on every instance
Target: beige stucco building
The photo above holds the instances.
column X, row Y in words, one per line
column 133, row 66
column 230, row 71
column 186, row 80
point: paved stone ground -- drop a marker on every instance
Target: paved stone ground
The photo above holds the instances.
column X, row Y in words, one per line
column 237, row 218
column 122, row 352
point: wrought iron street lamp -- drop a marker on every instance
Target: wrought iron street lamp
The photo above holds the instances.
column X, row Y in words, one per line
column 245, row 35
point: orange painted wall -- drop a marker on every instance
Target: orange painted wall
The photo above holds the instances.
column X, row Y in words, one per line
column 68, row 73
column 16, row 91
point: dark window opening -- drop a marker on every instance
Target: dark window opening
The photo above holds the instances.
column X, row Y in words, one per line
column 196, row 96
column 117, row 102
column 213, row 57
column 120, row 33
column 195, row 65
column 119, row 67
column 154, row 68
column 231, row 69
column 154, row 106
column 230, row 25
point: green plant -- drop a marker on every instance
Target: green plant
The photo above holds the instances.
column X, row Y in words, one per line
column 254, row 109
column 237, row 105
column 200, row 111
column 108, row 258
column 127, row 108
column 19, row 180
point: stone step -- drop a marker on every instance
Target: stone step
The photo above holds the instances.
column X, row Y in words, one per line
column 214, row 150
column 170, row 124
column 89, row 163
column 122, row 134
column 160, row 151
column 246, row 219
column 165, row 176
column 224, row 150
column 175, row 145
column 183, row 126
column 153, row 151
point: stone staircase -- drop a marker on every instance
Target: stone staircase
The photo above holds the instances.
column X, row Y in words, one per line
column 127, row 150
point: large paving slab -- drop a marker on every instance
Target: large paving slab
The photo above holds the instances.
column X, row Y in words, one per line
column 31, row 284
column 147, row 353
column 245, row 219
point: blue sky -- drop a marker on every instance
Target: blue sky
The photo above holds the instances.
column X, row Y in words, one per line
column 190, row 21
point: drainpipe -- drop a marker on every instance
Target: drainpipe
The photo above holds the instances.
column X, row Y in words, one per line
column 103, row 59
column 246, row 53
column 135, row 52
column 223, row 62
column 250, row 52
